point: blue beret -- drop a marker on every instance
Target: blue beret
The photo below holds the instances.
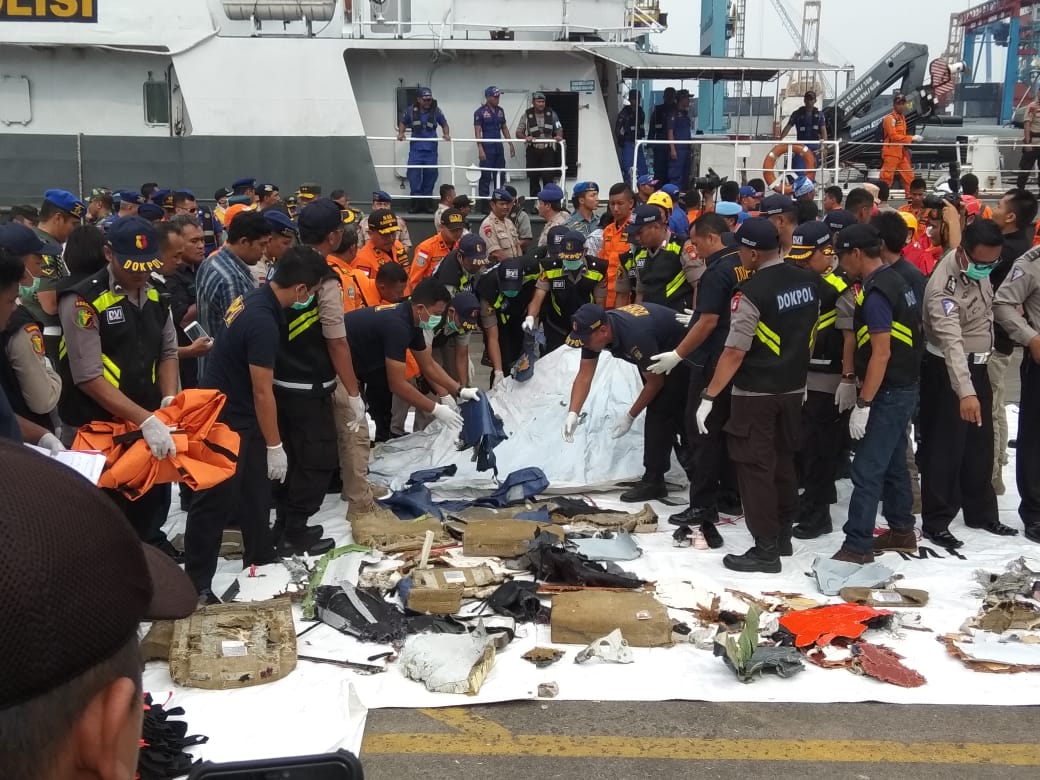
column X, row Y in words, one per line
column 130, row 196
column 150, row 211
column 381, row 196
column 248, row 183
column 67, row 202
column 20, row 240
column 279, row 222
column 725, row 208
column 758, row 233
column 551, row 193
column 492, row 91
column 584, row 186
column 502, row 194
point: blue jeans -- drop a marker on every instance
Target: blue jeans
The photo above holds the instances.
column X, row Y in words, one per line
column 879, row 471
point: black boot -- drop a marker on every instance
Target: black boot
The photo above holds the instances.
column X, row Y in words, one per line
column 646, row 490
column 783, row 543
column 814, row 521
column 763, row 557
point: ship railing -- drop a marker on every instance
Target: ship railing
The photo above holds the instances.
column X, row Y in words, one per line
column 462, row 168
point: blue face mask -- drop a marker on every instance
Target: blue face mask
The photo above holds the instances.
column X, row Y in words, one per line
column 298, row 305
column 978, row 271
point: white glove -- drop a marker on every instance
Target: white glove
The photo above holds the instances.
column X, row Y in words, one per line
column 447, row 415
column 448, row 401
column 845, row 396
column 50, row 442
column 684, row 318
column 624, row 425
column 703, row 410
column 357, row 412
column 469, row 393
column 158, row 437
column 529, row 324
column 918, row 138
column 858, row 422
column 664, row 362
column 166, row 402
column 277, row 463
column 569, row 426
column 499, row 377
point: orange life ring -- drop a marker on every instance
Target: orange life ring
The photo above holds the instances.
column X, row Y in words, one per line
column 797, row 150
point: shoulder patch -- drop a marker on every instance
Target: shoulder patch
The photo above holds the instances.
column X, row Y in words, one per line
column 951, row 285
column 237, row 307
column 85, row 319
column 420, row 259
column 1017, row 272
column 32, row 330
column 734, row 303
column 949, row 306
column 487, row 230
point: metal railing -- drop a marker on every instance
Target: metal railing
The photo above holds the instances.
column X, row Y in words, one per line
column 463, row 167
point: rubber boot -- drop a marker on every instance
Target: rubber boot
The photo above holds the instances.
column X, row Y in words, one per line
column 763, row 557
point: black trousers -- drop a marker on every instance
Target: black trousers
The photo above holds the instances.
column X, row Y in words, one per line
column 1027, row 455
column 147, row 514
column 539, row 157
column 1030, row 157
column 822, row 437
column 308, row 428
column 708, row 464
column 554, row 337
column 244, row 498
column 376, row 391
column 665, row 427
column 511, row 341
column 763, row 432
column 955, row 457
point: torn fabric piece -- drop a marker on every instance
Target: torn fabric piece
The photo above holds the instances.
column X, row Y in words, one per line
column 883, row 663
column 359, row 613
column 821, row 625
column 412, row 502
column 553, row 564
column 432, row 475
column 482, row 429
column 518, row 486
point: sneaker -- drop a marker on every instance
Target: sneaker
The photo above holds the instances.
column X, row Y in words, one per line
column 853, row 557
column 896, row 541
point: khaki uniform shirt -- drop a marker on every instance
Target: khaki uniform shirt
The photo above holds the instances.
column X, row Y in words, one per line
column 39, row 382
column 559, row 218
column 1020, row 289
column 500, row 235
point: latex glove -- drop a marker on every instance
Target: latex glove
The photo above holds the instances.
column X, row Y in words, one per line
column 529, row 324
column 50, row 442
column 447, row 415
column 684, row 318
column 448, row 401
column 624, row 425
column 166, row 402
column 469, row 393
column 277, row 463
column 357, row 412
column 158, row 437
column 845, row 396
column 918, row 138
column 664, row 362
column 569, row 426
column 499, row 377
column 703, row 410
column 858, row 422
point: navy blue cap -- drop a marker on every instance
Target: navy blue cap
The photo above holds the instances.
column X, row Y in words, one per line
column 510, row 275
column 571, row 246
column 808, row 237
column 151, row 212
column 671, row 189
column 135, row 244
column 266, row 189
column 492, row 91
column 130, row 196
column 425, row 92
column 473, row 247
column 644, row 215
column 321, row 215
column 727, row 208
column 555, row 236
column 584, row 186
column 502, row 194
column 467, row 309
column 163, row 198
column 838, row 219
column 747, row 191
column 776, row 204
column 646, row 178
column 588, row 318
column 857, row 237
column 20, row 240
column 248, row 183
column 381, row 196
column 67, row 202
column 280, row 222
column 551, row 193
column 758, row 233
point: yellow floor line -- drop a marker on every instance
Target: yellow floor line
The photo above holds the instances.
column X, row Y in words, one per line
column 465, row 722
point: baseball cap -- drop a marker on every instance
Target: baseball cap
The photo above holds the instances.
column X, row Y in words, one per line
column 20, row 240
column 838, row 219
column 131, row 196
column 727, row 208
column 555, row 236
column 67, row 202
column 671, row 189
column 758, row 233
column 381, row 196
column 280, row 223
column 588, row 318
column 77, row 583
column 490, row 91
column 425, row 92
column 510, row 275
column 662, row 199
column 776, row 204
column 462, row 201
column 247, row 182
column 551, row 193
column 570, row 247
column 220, row 194
column 321, row 215
column 473, row 247
column 537, row 96
column 382, row 221
column 899, row 97
column 502, row 194
column 267, row 189
column 808, row 237
column 856, row 237
column 135, row 243
column 646, row 179
column 643, row 215
column 154, row 213
column 467, row 309
column 585, row 186
column 99, row 192
column 747, row 191
column 309, row 191
column 452, row 218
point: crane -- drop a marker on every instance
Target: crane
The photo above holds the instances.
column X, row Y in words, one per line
column 807, row 42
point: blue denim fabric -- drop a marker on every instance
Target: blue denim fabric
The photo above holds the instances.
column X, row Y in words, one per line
column 879, row 471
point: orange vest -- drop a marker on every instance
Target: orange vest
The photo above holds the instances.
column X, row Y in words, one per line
column 427, row 256
column 358, row 290
column 369, row 258
column 692, row 215
column 615, row 244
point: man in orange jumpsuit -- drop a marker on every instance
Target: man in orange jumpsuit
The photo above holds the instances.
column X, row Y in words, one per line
column 895, row 157
column 616, row 246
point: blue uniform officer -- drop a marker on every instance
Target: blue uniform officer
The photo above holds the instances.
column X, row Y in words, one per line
column 489, row 121
column 631, row 126
column 423, row 118
column 680, row 128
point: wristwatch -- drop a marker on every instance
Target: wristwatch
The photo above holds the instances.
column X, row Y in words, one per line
column 862, row 403
column 849, row 375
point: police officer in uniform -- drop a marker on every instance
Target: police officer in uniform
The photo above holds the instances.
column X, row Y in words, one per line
column 713, row 487
column 422, row 118
column 831, row 382
column 498, row 230
column 630, row 127
column 664, row 273
column 956, row 452
column 680, row 128
column 633, row 333
column 129, row 202
column 772, row 322
column 659, row 132
column 889, row 344
column 489, row 121
column 539, row 126
column 569, row 278
column 459, row 272
column 1021, row 292
column 505, row 292
column 809, row 125
column 119, row 357
column 550, row 208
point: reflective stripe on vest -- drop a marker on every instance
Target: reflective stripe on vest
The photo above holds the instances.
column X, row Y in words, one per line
column 768, row 336
column 536, row 128
column 110, row 370
column 302, row 323
column 899, row 332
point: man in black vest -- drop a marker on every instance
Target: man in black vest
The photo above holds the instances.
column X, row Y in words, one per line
column 772, row 323
column 459, row 271
column 539, row 128
column 119, row 356
column 504, row 293
column 664, row 273
column 889, row 345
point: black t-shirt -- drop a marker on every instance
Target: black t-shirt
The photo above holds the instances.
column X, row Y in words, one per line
column 379, row 333
column 253, row 326
column 714, row 296
column 640, row 331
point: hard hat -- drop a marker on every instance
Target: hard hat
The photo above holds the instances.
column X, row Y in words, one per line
column 909, row 219
column 662, row 199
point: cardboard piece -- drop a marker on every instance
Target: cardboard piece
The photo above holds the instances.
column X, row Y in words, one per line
column 234, row 645
column 581, row 617
column 440, row 591
column 382, row 529
column 503, row 538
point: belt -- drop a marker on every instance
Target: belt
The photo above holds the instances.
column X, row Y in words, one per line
column 821, row 362
column 305, row 386
column 974, row 358
column 52, row 330
column 541, row 145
